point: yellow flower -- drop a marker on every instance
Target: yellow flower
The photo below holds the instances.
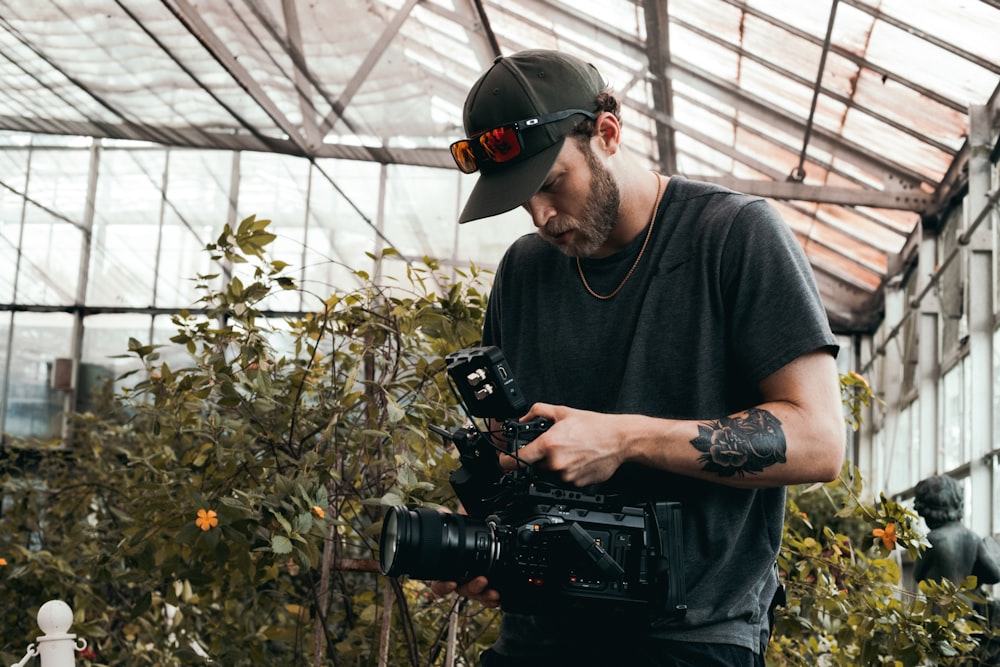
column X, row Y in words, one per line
column 318, row 511
column 888, row 535
column 206, row 519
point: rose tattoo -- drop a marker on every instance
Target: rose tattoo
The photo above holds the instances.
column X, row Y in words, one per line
column 741, row 444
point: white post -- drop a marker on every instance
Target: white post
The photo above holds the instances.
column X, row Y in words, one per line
column 56, row 646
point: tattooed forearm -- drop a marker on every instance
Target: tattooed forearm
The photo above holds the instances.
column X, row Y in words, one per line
column 741, row 444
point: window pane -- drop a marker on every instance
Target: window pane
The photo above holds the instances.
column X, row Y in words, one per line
column 126, row 228
column 52, row 239
column 197, row 207
column 898, row 452
column 951, row 419
column 105, row 341
column 421, row 211
column 34, row 408
column 339, row 236
column 48, row 270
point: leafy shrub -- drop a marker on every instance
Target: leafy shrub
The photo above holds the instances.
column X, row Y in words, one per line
column 840, row 563
column 230, row 507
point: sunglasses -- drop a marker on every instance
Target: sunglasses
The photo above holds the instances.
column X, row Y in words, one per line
column 504, row 143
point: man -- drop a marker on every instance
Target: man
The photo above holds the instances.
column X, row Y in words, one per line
column 672, row 333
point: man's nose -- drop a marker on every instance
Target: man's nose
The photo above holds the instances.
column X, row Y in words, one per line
column 540, row 210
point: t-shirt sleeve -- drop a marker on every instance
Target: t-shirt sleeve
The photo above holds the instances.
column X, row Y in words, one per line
column 492, row 319
column 775, row 308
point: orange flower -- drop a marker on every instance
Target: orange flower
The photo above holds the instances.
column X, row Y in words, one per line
column 318, row 511
column 888, row 535
column 860, row 378
column 206, row 519
column 3, row 562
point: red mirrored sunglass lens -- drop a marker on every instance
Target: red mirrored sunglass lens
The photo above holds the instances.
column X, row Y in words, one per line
column 501, row 144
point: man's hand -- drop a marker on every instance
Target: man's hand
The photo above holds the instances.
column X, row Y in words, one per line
column 475, row 589
column 582, row 447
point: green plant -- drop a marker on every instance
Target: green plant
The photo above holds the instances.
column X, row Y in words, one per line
column 840, row 564
column 228, row 506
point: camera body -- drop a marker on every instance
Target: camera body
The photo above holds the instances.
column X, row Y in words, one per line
column 545, row 546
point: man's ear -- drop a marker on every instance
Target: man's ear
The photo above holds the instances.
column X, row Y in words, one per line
column 607, row 131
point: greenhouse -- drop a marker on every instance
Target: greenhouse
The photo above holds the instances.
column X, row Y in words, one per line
column 233, row 283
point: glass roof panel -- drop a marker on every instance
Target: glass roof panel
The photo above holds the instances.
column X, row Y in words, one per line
column 809, row 17
column 927, row 65
column 360, row 81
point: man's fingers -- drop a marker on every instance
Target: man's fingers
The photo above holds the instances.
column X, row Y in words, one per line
column 443, row 588
column 477, row 589
column 476, row 586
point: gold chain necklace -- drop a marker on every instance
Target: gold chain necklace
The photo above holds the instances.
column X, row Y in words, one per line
column 645, row 242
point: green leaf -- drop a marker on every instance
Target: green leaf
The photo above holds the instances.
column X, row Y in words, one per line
column 188, row 533
column 303, row 522
column 393, row 411
column 281, row 544
column 392, row 499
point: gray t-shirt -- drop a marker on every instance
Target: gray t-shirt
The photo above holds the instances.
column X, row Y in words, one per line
column 722, row 298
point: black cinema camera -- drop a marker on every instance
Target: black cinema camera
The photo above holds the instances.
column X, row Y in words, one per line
column 546, row 546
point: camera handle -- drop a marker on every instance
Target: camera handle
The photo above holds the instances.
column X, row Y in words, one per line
column 665, row 542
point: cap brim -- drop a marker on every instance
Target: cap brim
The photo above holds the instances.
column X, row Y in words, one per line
column 506, row 188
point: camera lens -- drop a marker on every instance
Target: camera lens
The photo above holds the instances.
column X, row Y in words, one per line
column 427, row 544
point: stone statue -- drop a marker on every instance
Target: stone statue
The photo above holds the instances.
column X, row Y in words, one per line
column 955, row 551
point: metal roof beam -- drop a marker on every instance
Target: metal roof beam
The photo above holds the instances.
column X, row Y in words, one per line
column 483, row 29
column 300, row 70
column 848, row 254
column 200, row 30
column 371, row 59
column 127, row 130
column 957, row 177
column 780, row 177
column 658, row 54
column 440, row 158
column 302, row 74
column 755, row 164
column 823, row 194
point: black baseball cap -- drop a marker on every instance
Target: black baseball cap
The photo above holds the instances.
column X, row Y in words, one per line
column 527, row 84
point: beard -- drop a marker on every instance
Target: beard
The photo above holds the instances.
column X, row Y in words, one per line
column 599, row 215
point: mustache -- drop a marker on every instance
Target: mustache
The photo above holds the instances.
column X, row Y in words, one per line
column 554, row 228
